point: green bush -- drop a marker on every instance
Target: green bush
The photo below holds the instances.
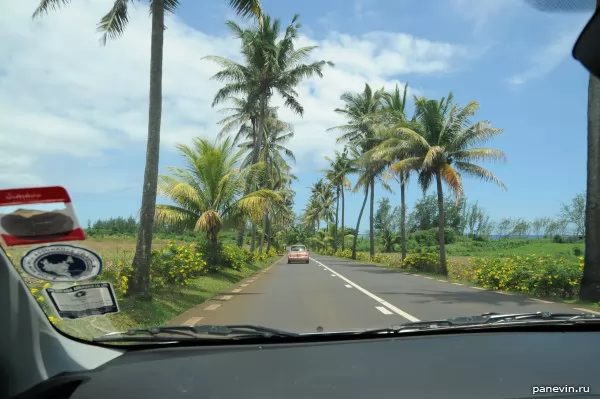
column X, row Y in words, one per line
column 423, row 262
column 544, row 276
column 235, row 258
column 177, row 264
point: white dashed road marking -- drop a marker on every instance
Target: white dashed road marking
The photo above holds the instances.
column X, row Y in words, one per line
column 479, row 288
column 226, row 297
column 429, row 278
column 457, row 283
column 236, row 290
column 193, row 321
column 442, row 281
column 348, row 286
column 371, row 295
column 383, row 310
column 244, row 285
column 212, row 307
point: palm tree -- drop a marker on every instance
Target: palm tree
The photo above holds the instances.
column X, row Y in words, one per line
column 391, row 148
column 361, row 111
column 208, row 192
column 438, row 144
column 270, row 65
column 337, row 175
column 274, row 154
column 112, row 25
column 590, row 282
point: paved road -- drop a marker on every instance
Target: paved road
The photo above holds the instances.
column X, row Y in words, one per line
column 339, row 294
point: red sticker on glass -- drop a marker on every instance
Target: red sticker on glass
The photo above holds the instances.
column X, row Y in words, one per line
column 28, row 224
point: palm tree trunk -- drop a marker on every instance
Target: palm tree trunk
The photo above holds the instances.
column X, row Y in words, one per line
column 371, row 221
column 268, row 233
column 362, row 208
column 139, row 285
column 337, row 214
column 258, row 137
column 240, row 235
column 343, row 229
column 403, row 214
column 590, row 282
column 253, row 239
column 262, row 236
column 242, row 230
column 441, row 223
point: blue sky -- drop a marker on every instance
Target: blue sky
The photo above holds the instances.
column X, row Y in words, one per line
column 74, row 113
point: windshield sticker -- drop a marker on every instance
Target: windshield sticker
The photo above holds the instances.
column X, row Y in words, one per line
column 61, row 263
column 25, row 226
column 83, row 300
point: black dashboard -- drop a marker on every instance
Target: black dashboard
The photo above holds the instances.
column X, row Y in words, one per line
column 473, row 365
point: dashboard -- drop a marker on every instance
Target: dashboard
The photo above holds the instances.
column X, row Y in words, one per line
column 472, row 365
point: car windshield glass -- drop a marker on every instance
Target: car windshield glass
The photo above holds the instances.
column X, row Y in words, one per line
column 350, row 168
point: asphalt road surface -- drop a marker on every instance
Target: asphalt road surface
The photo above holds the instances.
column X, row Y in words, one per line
column 340, row 294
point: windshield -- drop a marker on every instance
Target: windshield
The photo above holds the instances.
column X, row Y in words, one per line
column 432, row 156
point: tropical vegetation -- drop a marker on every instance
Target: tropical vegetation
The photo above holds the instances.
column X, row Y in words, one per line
column 242, row 181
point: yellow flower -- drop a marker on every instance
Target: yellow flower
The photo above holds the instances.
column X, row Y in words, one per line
column 34, row 291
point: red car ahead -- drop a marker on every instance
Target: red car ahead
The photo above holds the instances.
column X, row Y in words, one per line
column 298, row 253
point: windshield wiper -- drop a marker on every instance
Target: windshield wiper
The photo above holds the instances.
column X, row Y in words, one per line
column 193, row 333
column 489, row 319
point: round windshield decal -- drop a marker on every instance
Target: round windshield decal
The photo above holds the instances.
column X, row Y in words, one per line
column 61, row 263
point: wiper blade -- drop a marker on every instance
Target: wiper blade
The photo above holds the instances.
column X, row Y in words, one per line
column 193, row 333
column 490, row 319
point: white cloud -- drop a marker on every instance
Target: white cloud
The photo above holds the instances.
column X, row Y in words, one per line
column 481, row 12
column 63, row 96
column 551, row 55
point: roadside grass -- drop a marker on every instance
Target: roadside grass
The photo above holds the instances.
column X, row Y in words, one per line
column 166, row 303
column 516, row 247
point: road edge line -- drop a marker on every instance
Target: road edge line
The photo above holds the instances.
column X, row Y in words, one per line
column 371, row 295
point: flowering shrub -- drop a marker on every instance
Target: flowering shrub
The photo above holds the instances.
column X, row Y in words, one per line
column 236, row 258
column 176, row 265
column 535, row 275
column 422, row 262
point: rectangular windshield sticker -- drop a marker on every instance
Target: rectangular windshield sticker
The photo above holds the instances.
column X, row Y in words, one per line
column 50, row 216
column 83, row 300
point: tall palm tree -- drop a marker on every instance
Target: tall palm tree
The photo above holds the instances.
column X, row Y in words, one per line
column 361, row 111
column 337, row 175
column 112, row 25
column 391, row 148
column 438, row 144
column 274, row 154
column 269, row 65
column 590, row 282
column 208, row 192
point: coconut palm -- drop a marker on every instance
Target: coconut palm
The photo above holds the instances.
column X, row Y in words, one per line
column 439, row 145
column 208, row 192
column 361, row 111
column 270, row 65
column 337, row 174
column 392, row 114
column 273, row 154
column 245, row 116
column 112, row 25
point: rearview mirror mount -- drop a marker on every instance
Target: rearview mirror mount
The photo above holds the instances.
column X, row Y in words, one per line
column 586, row 47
